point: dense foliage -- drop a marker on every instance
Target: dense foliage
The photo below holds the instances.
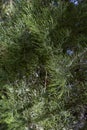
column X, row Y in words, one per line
column 43, row 65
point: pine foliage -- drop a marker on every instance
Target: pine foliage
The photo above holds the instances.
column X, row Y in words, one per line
column 43, row 66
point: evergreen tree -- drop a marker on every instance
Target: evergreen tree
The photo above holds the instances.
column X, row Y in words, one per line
column 43, row 66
